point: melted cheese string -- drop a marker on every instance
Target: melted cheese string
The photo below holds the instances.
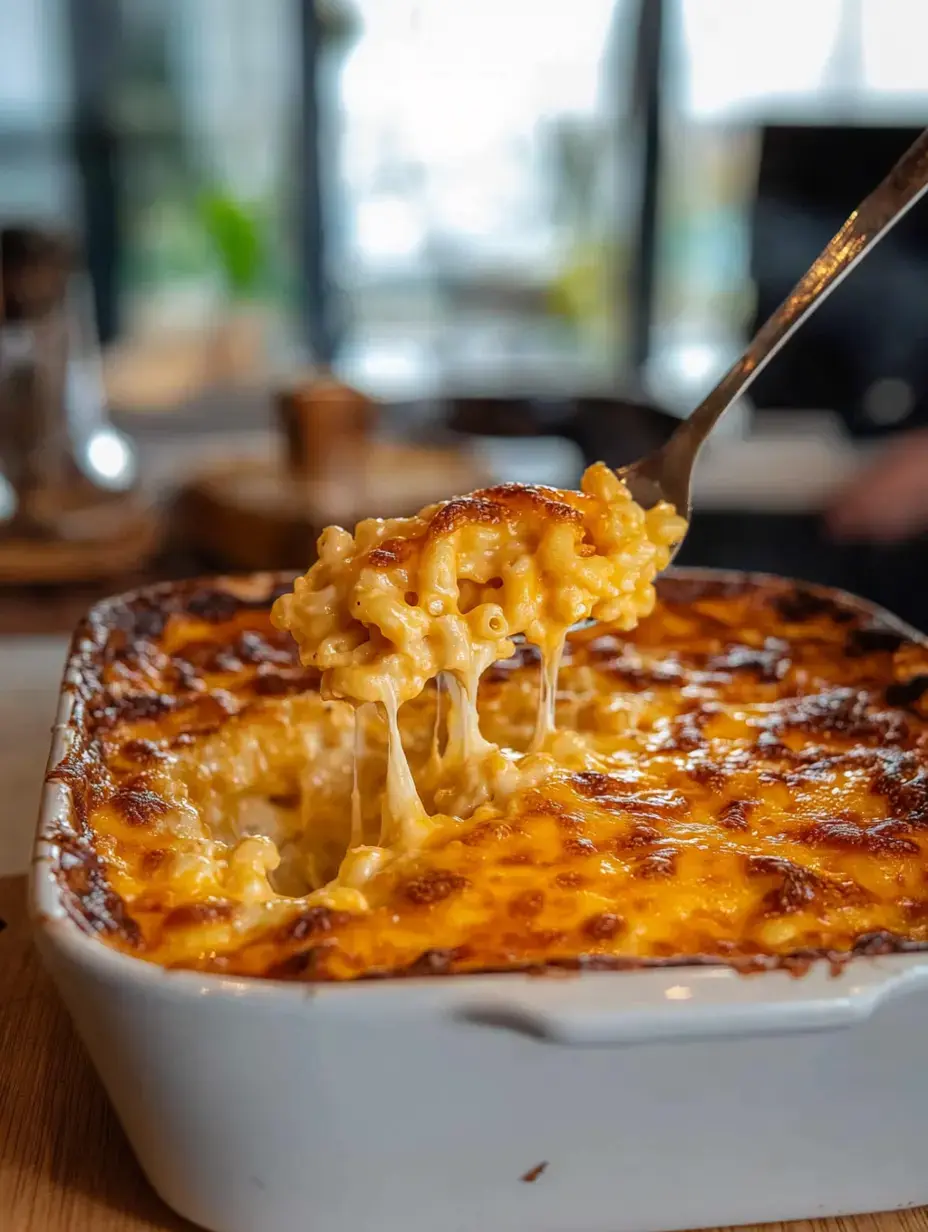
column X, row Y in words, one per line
column 404, row 821
column 465, row 761
column 435, row 756
column 357, row 822
column 459, row 731
column 466, row 742
column 547, row 694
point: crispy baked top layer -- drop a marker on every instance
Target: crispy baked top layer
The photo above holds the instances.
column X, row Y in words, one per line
column 743, row 778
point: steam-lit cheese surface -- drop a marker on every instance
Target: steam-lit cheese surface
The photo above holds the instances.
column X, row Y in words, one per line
column 743, row 777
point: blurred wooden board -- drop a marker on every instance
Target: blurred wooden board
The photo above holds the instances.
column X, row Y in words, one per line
column 64, row 1163
column 27, row 562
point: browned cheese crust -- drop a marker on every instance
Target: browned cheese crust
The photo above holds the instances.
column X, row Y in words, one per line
column 754, row 792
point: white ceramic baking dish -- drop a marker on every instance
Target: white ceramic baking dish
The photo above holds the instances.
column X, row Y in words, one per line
column 601, row 1102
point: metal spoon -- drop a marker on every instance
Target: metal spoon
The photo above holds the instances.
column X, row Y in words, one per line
column 667, row 474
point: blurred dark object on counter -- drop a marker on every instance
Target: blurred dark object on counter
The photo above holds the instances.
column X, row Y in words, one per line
column 34, row 270
column 612, row 430
column 863, row 355
column 69, row 504
column 331, row 467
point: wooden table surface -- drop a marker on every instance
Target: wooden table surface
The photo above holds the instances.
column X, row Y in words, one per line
column 64, row 1163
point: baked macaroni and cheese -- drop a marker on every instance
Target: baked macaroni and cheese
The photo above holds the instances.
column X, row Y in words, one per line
column 405, row 601
column 416, row 759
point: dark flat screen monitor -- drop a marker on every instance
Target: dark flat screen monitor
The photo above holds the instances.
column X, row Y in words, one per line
column 865, row 353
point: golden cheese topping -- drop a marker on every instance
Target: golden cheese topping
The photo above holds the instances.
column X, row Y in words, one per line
column 742, row 778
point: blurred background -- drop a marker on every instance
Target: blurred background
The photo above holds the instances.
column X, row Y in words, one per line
column 271, row 263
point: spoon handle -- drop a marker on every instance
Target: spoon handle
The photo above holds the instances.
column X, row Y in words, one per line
column 873, row 218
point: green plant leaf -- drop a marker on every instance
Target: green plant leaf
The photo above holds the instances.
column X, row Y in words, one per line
column 235, row 233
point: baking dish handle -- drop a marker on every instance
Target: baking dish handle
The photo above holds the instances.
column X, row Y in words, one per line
column 604, row 1009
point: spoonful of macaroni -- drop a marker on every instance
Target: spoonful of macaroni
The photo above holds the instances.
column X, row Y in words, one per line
column 403, row 600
